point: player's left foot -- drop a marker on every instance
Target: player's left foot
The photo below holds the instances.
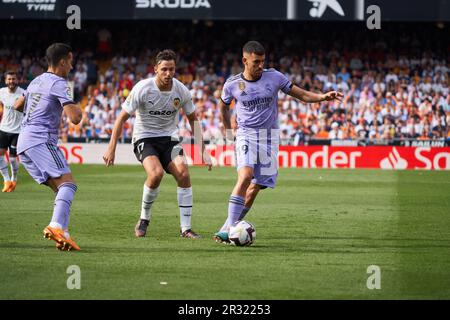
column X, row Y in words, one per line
column 63, row 242
column 6, row 186
column 190, row 234
column 140, row 230
column 12, row 186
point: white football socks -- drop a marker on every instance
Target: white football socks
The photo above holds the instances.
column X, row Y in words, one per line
column 14, row 168
column 4, row 169
column 148, row 197
column 185, row 199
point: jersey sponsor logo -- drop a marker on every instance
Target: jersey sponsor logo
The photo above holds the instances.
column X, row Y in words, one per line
column 173, row 4
column 257, row 103
column 162, row 112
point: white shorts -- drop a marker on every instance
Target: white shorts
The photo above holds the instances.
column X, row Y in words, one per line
column 258, row 149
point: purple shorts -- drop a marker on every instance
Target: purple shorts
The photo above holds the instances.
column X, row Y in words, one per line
column 44, row 161
column 258, row 149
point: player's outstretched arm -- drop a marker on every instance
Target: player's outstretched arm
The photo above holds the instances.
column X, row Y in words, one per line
column 73, row 112
column 110, row 153
column 308, row 96
column 19, row 104
column 198, row 136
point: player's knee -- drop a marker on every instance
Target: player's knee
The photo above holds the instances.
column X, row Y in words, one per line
column 154, row 179
column 184, row 176
column 245, row 179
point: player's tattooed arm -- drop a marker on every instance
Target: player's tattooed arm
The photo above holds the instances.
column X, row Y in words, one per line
column 309, row 96
column 110, row 153
column 19, row 104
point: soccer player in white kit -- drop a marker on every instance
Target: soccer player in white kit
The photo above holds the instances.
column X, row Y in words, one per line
column 9, row 130
column 156, row 102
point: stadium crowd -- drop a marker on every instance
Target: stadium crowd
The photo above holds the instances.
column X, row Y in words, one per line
column 395, row 81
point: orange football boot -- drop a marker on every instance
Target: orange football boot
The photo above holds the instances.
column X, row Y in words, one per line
column 62, row 243
column 6, row 186
column 12, row 186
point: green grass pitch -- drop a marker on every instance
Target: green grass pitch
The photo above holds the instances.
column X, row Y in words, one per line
column 317, row 233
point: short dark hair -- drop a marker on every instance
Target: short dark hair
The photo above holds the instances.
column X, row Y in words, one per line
column 254, row 47
column 10, row 73
column 56, row 52
column 166, row 55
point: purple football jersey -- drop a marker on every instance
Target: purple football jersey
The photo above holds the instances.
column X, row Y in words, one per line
column 256, row 101
column 45, row 97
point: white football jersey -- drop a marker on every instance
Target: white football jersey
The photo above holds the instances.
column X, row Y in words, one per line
column 157, row 112
column 11, row 119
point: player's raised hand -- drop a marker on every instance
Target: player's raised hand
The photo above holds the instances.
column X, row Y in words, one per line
column 333, row 95
column 108, row 157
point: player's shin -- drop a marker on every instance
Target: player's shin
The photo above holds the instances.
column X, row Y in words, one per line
column 63, row 202
column 185, row 200
column 4, row 169
column 235, row 207
column 14, row 168
column 245, row 210
column 148, row 197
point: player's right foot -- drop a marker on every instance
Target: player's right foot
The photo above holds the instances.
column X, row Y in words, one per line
column 140, row 229
column 63, row 243
column 221, row 237
column 190, row 234
column 6, row 186
column 12, row 186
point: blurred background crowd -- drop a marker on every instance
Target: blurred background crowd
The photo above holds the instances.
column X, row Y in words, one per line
column 395, row 80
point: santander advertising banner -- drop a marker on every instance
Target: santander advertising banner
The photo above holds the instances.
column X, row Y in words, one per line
column 373, row 157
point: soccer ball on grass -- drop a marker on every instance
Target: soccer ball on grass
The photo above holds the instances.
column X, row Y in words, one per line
column 242, row 233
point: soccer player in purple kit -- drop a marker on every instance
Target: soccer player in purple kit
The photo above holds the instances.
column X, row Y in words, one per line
column 257, row 137
column 45, row 99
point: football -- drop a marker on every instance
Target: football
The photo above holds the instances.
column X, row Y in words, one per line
column 242, row 233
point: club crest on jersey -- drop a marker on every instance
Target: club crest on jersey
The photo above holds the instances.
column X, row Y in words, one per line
column 176, row 103
column 242, row 86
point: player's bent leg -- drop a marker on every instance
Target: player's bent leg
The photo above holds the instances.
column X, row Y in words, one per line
column 4, row 171
column 58, row 229
column 179, row 169
column 236, row 202
column 250, row 197
column 245, row 176
column 155, row 173
column 14, row 162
